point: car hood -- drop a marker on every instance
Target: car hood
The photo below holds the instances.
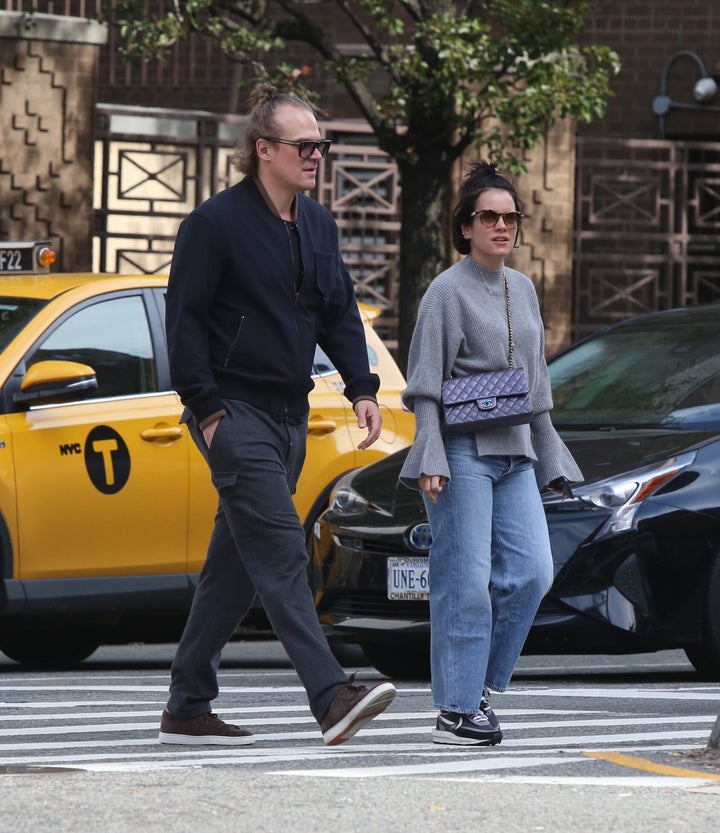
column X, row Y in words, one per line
column 600, row 454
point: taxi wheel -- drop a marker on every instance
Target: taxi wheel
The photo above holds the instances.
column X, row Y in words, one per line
column 400, row 660
column 42, row 649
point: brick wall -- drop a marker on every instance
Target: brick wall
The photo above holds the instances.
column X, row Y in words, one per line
column 198, row 76
column 645, row 33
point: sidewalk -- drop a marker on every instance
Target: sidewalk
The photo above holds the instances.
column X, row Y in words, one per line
column 212, row 800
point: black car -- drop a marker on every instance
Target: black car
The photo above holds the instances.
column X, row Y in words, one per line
column 636, row 550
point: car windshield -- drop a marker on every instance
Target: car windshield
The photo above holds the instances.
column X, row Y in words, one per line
column 662, row 372
column 14, row 315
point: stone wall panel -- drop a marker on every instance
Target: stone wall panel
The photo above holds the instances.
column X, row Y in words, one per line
column 48, row 93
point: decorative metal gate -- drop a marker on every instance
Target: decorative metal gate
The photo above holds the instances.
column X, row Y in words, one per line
column 647, row 228
column 647, row 212
column 154, row 166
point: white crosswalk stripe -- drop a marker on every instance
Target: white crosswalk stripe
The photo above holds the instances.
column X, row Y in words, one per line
column 112, row 726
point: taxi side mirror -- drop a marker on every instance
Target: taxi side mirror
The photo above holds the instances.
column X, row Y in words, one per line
column 52, row 382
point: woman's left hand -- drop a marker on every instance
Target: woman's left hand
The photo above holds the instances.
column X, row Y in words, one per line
column 432, row 485
column 561, row 486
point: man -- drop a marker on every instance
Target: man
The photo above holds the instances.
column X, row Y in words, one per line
column 256, row 281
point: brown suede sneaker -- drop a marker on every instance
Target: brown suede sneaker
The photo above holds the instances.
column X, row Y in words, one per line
column 204, row 729
column 352, row 707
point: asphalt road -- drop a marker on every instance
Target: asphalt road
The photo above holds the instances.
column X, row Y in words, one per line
column 591, row 743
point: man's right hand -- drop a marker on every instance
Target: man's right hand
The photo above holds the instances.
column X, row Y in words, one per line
column 209, row 431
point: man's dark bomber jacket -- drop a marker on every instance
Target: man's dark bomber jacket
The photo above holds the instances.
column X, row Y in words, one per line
column 237, row 328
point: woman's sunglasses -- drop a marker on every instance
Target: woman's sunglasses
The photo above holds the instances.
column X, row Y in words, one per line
column 490, row 218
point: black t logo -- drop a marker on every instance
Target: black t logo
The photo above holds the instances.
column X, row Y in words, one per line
column 107, row 459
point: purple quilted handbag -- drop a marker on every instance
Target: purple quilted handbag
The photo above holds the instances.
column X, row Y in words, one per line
column 483, row 401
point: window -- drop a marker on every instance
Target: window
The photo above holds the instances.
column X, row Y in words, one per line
column 112, row 337
column 14, row 315
column 641, row 374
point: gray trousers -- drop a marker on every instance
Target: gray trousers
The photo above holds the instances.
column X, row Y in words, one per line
column 257, row 546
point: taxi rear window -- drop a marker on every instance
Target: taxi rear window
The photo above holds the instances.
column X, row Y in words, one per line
column 14, row 315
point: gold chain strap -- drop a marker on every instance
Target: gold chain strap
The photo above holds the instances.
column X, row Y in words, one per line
column 511, row 337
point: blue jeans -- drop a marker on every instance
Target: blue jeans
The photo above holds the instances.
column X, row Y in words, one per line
column 490, row 566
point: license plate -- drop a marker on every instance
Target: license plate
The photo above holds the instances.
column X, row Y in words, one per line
column 408, row 579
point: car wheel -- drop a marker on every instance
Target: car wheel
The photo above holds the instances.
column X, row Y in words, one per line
column 705, row 656
column 400, row 660
column 45, row 650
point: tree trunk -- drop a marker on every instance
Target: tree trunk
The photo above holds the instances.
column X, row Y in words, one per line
column 425, row 248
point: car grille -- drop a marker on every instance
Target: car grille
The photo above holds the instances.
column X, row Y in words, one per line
column 377, row 607
column 370, row 545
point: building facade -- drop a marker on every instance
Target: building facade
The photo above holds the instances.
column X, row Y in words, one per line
column 624, row 213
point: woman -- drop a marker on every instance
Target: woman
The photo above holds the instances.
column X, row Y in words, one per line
column 490, row 561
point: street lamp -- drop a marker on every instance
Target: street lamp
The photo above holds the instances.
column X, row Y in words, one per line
column 704, row 91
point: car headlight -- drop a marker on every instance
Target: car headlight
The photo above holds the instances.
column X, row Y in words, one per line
column 346, row 501
column 625, row 494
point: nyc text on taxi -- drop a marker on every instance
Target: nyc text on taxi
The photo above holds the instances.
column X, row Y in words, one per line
column 105, row 504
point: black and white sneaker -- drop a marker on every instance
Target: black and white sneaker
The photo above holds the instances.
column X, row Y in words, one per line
column 465, row 730
column 486, row 709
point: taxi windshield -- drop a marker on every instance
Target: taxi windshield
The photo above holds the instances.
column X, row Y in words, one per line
column 14, row 315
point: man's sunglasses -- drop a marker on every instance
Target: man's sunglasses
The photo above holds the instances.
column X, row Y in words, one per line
column 490, row 218
column 305, row 148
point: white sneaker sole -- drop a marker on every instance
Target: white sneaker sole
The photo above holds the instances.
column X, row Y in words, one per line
column 373, row 704
column 205, row 740
column 439, row 736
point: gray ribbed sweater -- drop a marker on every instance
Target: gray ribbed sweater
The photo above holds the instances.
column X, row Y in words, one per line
column 462, row 329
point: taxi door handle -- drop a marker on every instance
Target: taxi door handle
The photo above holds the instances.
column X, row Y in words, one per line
column 321, row 426
column 168, row 434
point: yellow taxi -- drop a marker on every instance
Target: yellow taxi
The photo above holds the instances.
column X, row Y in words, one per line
column 106, row 506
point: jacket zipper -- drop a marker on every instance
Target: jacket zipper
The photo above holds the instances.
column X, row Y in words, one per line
column 296, row 294
column 233, row 343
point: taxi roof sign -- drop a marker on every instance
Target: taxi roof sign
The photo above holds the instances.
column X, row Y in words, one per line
column 33, row 257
